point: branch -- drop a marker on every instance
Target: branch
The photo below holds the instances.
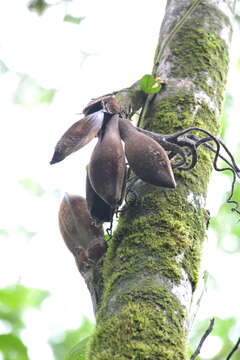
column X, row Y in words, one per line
column 205, row 335
column 233, row 350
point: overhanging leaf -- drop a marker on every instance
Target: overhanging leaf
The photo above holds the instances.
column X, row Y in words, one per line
column 19, row 297
column 12, row 318
column 12, row 347
column 78, row 352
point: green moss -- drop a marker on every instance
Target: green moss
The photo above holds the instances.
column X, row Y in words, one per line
column 203, row 57
column 150, row 326
column 163, row 240
column 171, row 114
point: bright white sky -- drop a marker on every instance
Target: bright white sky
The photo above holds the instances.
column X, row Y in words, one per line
column 121, row 38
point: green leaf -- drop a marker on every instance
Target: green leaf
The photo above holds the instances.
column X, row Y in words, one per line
column 19, row 297
column 73, row 19
column 149, row 84
column 107, row 237
column 78, row 352
column 13, row 348
column 39, row 6
column 12, row 318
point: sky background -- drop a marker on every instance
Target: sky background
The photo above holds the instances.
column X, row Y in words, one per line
column 110, row 49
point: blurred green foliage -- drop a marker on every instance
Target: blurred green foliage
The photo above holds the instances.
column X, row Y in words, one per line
column 38, row 6
column 3, row 67
column 17, row 298
column 13, row 301
column 73, row 19
column 225, row 114
column 12, row 348
column 222, row 329
column 227, row 225
column 72, row 343
column 32, row 186
column 30, row 93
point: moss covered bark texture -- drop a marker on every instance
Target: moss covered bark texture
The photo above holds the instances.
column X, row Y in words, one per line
column 152, row 264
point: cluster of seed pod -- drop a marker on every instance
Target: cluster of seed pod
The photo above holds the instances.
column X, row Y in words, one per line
column 106, row 173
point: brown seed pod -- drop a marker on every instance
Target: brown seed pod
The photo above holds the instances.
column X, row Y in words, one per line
column 146, row 157
column 96, row 249
column 100, row 211
column 107, row 166
column 82, row 261
column 93, row 106
column 110, row 106
column 76, row 225
column 106, row 103
column 78, row 135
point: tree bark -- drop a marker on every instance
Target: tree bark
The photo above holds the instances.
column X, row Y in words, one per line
column 151, row 268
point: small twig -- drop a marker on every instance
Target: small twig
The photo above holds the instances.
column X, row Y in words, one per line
column 205, row 335
column 236, row 346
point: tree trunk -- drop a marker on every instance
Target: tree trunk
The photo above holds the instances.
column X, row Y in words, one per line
column 151, row 268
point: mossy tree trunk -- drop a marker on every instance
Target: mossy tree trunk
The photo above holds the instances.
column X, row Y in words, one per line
column 152, row 265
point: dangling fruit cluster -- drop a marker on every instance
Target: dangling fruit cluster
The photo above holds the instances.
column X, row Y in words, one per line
column 106, row 173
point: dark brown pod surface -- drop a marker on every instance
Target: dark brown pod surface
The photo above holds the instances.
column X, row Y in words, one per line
column 76, row 225
column 100, row 211
column 110, row 106
column 146, row 157
column 82, row 261
column 78, row 135
column 96, row 249
column 107, row 166
column 106, row 103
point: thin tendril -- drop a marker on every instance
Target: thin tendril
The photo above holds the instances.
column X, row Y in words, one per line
column 217, row 155
column 109, row 230
column 204, row 143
